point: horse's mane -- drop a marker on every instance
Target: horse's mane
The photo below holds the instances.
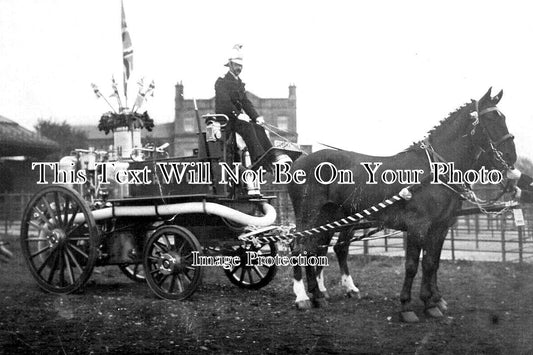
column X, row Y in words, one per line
column 445, row 122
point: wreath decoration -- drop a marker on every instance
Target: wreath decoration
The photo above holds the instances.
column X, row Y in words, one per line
column 112, row 120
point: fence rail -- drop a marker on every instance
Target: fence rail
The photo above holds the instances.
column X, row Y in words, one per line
column 475, row 237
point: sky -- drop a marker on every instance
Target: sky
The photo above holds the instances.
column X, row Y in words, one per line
column 371, row 76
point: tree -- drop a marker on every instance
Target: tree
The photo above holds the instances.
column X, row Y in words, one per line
column 67, row 137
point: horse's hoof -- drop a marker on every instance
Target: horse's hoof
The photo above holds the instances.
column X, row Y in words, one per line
column 306, row 304
column 353, row 294
column 434, row 312
column 320, row 302
column 409, row 317
column 442, row 305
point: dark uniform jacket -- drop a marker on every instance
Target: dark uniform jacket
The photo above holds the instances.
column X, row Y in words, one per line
column 231, row 98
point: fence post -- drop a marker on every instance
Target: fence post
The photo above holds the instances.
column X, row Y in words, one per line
column 477, row 231
column 520, row 246
column 453, row 243
column 5, row 209
column 365, row 244
column 503, row 236
column 386, row 240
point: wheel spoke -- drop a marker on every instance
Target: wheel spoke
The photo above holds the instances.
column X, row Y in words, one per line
column 179, row 283
column 72, row 230
column 186, row 275
column 78, row 239
column 155, row 259
column 172, row 283
column 61, row 267
column 39, row 227
column 236, row 268
column 53, row 269
column 160, row 246
column 249, row 272
column 58, row 208
column 179, row 251
column 74, row 260
column 243, row 269
column 161, row 280
column 258, row 272
column 45, row 262
column 75, row 248
column 167, row 242
column 70, row 222
column 36, row 239
column 38, row 252
column 41, row 215
column 65, row 215
column 50, row 210
column 69, row 267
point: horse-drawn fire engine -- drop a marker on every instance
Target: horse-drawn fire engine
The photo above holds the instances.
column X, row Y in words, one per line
column 153, row 216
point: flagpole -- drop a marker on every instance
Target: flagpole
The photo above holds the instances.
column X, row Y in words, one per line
column 127, row 52
column 99, row 95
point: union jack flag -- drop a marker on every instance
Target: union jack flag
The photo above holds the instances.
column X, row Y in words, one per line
column 127, row 50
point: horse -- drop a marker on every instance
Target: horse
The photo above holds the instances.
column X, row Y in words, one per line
column 476, row 132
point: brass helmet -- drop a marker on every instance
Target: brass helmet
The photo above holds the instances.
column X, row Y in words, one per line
column 235, row 55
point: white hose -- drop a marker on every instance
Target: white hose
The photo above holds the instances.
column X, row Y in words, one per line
column 183, row 208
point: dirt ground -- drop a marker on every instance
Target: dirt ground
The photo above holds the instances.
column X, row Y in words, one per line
column 490, row 311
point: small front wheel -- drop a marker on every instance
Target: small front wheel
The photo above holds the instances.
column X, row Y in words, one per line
column 251, row 273
column 168, row 262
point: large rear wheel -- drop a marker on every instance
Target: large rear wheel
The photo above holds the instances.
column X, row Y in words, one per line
column 59, row 239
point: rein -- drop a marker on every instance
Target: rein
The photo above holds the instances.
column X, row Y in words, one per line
column 286, row 141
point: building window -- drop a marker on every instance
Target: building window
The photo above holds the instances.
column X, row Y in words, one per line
column 283, row 123
column 188, row 124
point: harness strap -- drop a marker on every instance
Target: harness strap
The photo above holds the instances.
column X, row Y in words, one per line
column 503, row 139
column 488, row 109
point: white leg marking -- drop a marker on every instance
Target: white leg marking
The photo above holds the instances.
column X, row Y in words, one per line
column 320, row 281
column 347, row 282
column 299, row 290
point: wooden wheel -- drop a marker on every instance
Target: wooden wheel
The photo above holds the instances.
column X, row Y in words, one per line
column 252, row 276
column 59, row 239
column 168, row 259
column 134, row 272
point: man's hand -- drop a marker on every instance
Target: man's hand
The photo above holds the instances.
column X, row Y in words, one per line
column 514, row 174
column 260, row 120
column 243, row 117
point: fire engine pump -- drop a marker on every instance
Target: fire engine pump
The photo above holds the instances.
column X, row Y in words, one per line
column 121, row 246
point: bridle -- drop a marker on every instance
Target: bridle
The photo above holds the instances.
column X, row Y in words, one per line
column 495, row 153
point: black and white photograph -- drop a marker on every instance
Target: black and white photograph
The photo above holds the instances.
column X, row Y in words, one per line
column 266, row 177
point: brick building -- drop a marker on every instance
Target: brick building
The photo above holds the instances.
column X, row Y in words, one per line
column 182, row 134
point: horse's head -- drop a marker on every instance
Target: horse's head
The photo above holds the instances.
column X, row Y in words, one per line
column 490, row 134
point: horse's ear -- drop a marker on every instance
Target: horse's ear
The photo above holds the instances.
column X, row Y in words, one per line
column 497, row 98
column 486, row 96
